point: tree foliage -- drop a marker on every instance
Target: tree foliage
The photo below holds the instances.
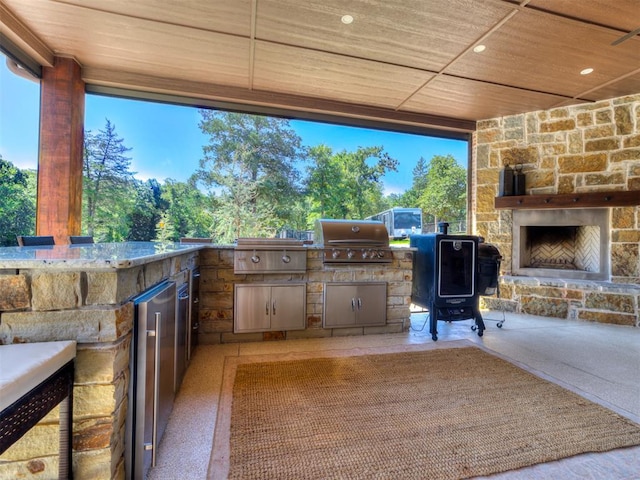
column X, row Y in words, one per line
column 249, row 166
column 247, row 185
column 443, row 191
column 107, row 185
column 347, row 184
column 146, row 211
column 188, row 209
column 324, row 175
column 17, row 203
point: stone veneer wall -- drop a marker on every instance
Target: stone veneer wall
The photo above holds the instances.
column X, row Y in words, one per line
column 581, row 148
column 95, row 309
column 216, row 295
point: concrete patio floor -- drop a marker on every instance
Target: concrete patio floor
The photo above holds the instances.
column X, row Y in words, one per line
column 600, row 362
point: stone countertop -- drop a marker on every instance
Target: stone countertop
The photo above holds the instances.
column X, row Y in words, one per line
column 101, row 255
column 91, row 256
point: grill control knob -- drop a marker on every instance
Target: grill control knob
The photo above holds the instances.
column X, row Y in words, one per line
column 380, row 253
column 365, row 254
column 350, row 253
column 335, row 253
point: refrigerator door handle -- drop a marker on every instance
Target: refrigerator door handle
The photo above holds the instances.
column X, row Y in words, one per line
column 156, row 388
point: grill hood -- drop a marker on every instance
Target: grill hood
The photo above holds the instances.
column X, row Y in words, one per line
column 344, row 233
column 353, row 241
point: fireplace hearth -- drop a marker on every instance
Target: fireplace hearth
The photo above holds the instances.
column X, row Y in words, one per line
column 562, row 243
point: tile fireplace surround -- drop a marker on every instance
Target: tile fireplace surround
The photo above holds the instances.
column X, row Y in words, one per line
column 577, row 150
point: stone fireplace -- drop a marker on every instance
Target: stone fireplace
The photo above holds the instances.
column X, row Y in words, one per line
column 562, row 243
column 571, row 243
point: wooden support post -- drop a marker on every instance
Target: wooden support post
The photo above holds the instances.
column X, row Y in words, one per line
column 59, row 206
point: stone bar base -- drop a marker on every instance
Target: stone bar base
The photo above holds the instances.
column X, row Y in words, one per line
column 88, row 301
column 591, row 301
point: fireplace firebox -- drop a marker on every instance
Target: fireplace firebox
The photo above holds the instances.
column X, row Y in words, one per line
column 562, row 243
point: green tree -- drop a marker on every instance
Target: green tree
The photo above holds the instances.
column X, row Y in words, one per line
column 17, row 203
column 410, row 198
column 324, row 177
column 363, row 170
column 347, row 184
column 395, row 200
column 165, row 229
column 146, row 210
column 249, row 167
column 444, row 194
column 108, row 185
column 188, row 209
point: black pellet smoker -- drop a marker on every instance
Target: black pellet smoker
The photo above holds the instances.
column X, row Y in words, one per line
column 450, row 272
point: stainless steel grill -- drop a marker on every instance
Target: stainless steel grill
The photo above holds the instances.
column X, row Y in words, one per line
column 353, row 241
column 269, row 255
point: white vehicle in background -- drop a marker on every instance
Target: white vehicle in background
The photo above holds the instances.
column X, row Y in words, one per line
column 400, row 222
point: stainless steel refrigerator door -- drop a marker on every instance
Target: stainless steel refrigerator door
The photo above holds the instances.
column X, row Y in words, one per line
column 151, row 383
column 165, row 359
column 181, row 327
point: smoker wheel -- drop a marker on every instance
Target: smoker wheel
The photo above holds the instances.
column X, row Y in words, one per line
column 481, row 332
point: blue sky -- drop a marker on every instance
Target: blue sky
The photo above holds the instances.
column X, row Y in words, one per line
column 166, row 142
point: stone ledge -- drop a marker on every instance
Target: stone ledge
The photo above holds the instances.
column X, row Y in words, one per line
column 591, row 285
column 597, row 301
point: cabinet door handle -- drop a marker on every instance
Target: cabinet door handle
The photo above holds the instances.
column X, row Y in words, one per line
column 353, row 304
column 359, row 303
column 274, row 307
column 266, row 308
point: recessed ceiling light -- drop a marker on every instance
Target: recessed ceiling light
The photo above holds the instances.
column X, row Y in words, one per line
column 586, row 71
column 347, row 19
column 479, row 48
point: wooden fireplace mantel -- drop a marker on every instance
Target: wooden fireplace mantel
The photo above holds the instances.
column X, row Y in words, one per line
column 570, row 200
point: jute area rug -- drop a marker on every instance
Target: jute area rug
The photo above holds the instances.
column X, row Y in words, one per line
column 438, row 414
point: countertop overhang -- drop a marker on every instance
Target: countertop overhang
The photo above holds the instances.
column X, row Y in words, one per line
column 91, row 256
column 99, row 256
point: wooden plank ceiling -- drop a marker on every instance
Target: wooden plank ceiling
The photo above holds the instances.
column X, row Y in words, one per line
column 409, row 62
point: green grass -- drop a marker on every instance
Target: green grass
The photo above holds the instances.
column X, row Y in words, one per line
column 404, row 242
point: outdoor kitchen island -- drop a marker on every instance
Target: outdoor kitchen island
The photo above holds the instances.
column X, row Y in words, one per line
column 385, row 285
column 85, row 293
column 82, row 293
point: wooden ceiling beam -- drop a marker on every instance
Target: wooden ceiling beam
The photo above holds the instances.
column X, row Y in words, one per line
column 234, row 98
column 24, row 38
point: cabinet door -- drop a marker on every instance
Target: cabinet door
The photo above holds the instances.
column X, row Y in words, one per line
column 252, row 308
column 288, row 307
column 371, row 302
column 339, row 305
